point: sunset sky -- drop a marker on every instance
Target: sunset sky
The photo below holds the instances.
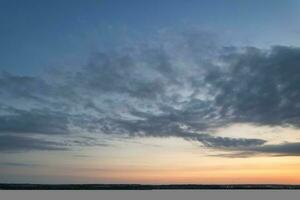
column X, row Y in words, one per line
column 150, row 92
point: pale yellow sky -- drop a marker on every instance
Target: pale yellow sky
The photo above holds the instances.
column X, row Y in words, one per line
column 164, row 160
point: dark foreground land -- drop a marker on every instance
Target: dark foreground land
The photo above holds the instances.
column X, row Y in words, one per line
column 145, row 187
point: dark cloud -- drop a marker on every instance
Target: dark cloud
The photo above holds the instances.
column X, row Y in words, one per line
column 10, row 143
column 83, row 141
column 259, row 86
column 225, row 142
column 283, row 149
column 34, row 121
column 172, row 126
column 18, row 164
column 186, row 86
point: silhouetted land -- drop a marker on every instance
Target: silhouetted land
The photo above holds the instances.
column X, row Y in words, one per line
column 145, row 187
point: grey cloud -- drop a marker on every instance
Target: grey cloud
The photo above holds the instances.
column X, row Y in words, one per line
column 226, row 142
column 251, row 86
column 283, row 149
column 186, row 87
column 259, row 86
column 35, row 90
column 23, row 86
column 17, row 164
column 34, row 121
column 83, row 141
column 114, row 73
column 166, row 126
column 10, row 143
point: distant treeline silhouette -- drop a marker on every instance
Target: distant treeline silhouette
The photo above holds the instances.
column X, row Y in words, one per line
column 5, row 186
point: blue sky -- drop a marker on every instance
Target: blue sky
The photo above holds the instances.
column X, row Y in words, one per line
column 40, row 34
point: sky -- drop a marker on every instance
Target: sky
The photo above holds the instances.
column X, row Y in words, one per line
column 150, row 92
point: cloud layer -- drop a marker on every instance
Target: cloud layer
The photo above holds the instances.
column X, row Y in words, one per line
column 184, row 86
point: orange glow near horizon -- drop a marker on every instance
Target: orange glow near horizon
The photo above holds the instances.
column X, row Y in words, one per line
column 180, row 162
column 280, row 173
column 169, row 161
